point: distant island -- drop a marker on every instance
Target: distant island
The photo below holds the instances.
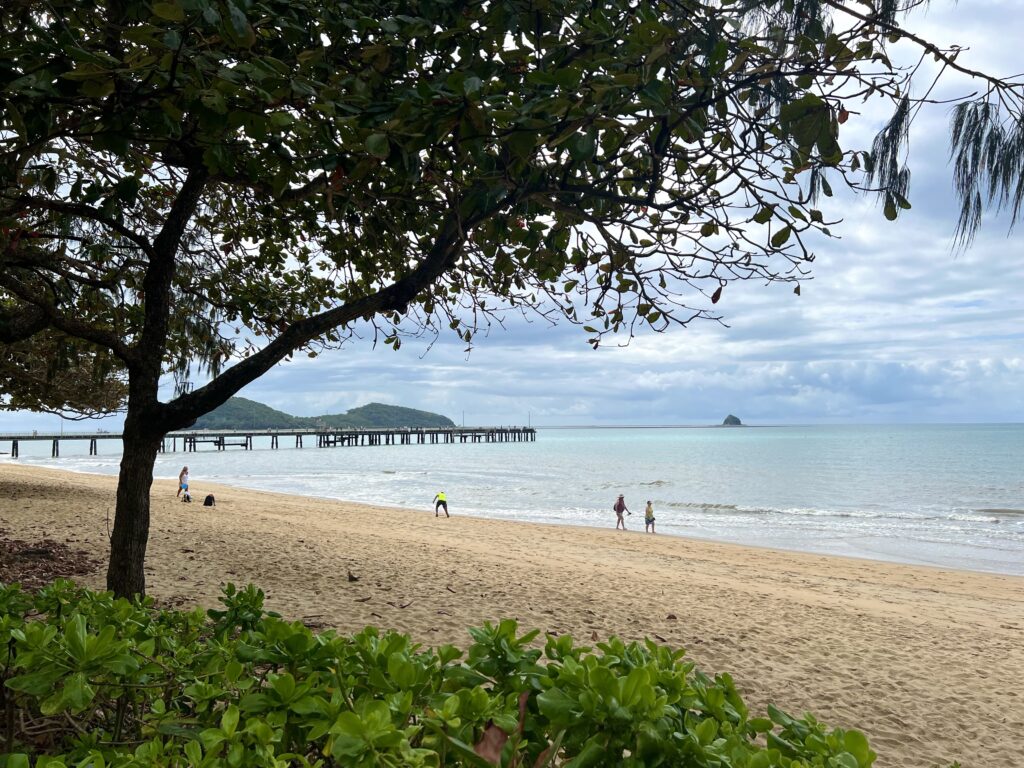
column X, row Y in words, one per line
column 241, row 413
column 732, row 421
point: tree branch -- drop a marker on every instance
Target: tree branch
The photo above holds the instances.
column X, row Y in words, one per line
column 928, row 47
column 156, row 286
column 68, row 325
column 93, row 214
column 22, row 324
column 395, row 297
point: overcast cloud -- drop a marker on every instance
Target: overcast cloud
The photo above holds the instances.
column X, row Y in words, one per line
column 894, row 327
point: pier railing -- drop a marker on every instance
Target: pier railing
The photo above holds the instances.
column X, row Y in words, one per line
column 323, row 437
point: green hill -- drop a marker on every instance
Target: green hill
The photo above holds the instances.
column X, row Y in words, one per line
column 241, row 413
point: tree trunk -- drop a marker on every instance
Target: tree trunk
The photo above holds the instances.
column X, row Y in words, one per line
column 126, row 575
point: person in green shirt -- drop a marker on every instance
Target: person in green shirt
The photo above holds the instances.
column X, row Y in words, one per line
column 649, row 517
column 441, row 501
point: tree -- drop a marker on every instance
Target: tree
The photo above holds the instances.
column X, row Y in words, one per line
column 49, row 372
column 222, row 183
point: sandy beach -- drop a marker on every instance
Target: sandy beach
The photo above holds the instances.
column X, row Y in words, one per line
column 929, row 663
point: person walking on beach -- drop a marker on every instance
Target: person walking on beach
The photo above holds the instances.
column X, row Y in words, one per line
column 620, row 507
column 649, row 518
column 441, row 501
column 182, row 482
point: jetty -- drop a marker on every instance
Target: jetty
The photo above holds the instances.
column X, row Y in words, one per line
column 321, row 437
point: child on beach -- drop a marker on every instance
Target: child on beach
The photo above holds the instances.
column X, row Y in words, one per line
column 649, row 517
column 183, row 482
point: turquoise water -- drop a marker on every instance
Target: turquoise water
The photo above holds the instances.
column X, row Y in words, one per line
column 934, row 494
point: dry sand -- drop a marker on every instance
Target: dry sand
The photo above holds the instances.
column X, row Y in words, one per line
column 928, row 662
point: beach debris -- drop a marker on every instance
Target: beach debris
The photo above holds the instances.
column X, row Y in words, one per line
column 593, row 635
column 671, row 617
column 443, row 612
column 352, row 576
column 35, row 564
column 400, row 605
column 490, row 744
column 362, row 599
column 493, row 740
column 449, row 588
column 659, row 638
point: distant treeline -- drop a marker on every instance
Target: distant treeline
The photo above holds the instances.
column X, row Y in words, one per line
column 240, row 413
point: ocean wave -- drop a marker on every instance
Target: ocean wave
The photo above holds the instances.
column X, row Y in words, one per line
column 1001, row 511
column 958, row 515
column 972, row 518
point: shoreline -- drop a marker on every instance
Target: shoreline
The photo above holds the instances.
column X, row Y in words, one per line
column 898, row 651
column 862, row 553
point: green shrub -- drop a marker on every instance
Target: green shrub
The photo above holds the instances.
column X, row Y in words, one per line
column 87, row 680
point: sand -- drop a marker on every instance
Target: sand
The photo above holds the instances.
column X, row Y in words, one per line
column 928, row 662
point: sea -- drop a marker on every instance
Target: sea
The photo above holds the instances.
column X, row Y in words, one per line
column 941, row 495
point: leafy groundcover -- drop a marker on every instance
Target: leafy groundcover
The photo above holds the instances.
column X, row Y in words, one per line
column 87, row 680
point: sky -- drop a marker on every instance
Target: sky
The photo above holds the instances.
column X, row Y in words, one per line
column 895, row 326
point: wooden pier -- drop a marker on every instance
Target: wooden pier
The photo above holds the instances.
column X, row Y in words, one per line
column 325, row 437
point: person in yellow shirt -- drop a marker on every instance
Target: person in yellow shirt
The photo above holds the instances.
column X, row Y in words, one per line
column 441, row 501
column 649, row 518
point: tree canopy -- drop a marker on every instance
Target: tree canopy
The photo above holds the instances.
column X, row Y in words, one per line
column 220, row 183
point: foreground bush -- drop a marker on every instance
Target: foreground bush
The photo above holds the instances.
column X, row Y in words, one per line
column 88, row 680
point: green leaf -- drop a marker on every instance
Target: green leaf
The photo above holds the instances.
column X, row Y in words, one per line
column 400, row 669
column 592, row 754
column 856, row 744
column 229, row 722
column 521, row 143
column 706, row 731
column 213, row 100
column 238, row 25
column 284, row 686
column 764, row 215
column 168, row 11
column 554, row 703
column 75, row 636
column 78, row 694
column 38, row 682
column 16, row 120
column 779, row 238
column 194, row 752
column 377, row 144
column 639, row 679
column 890, row 210
column 347, row 733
